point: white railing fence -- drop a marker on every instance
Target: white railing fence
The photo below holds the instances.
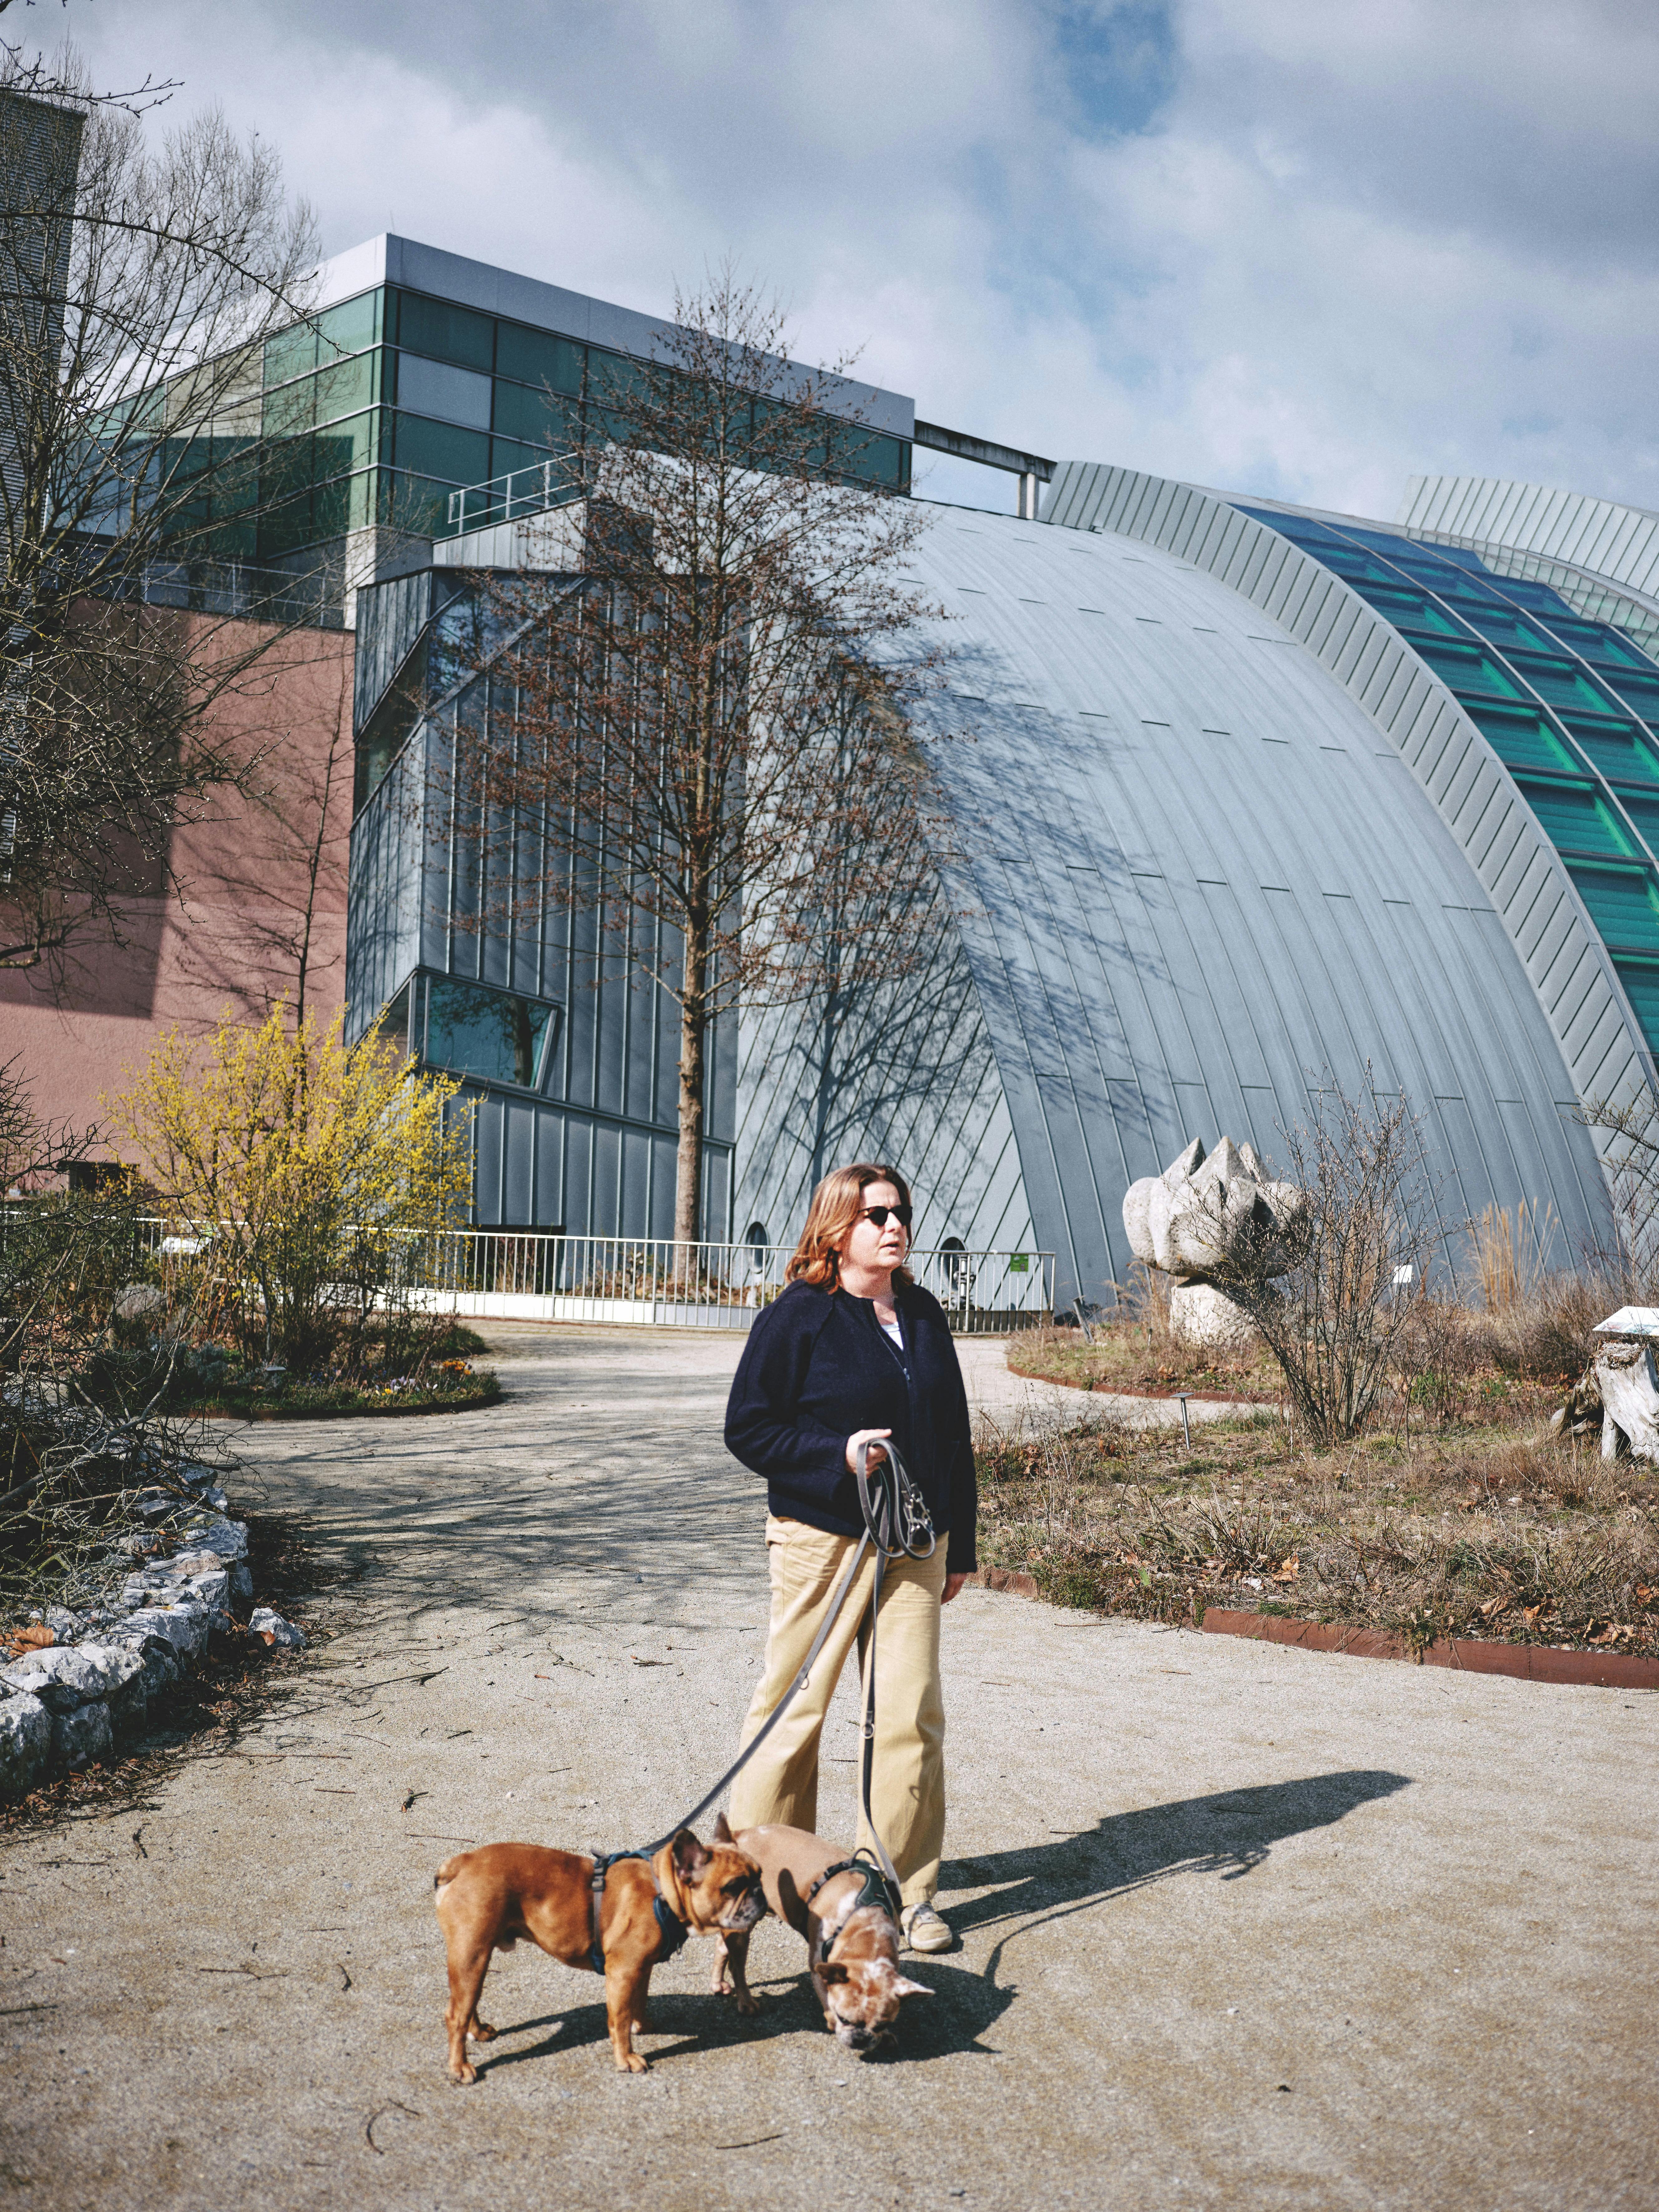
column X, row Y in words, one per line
column 511, row 1274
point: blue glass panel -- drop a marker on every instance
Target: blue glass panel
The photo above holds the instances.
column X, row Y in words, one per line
column 1641, row 695
column 1559, row 681
column 1465, row 667
column 445, row 332
column 1624, row 903
column 1645, row 813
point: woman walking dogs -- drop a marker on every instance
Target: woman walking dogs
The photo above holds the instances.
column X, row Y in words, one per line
column 851, row 1353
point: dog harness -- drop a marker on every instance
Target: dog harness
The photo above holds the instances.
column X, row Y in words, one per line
column 674, row 1930
column 874, row 1889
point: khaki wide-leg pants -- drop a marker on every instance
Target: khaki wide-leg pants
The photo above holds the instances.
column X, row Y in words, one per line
column 906, row 1791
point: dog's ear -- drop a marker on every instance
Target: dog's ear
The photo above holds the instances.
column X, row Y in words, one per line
column 832, row 1970
column 908, row 1988
column 689, row 1857
column 722, row 1830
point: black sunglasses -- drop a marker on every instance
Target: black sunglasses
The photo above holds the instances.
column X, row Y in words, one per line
column 878, row 1214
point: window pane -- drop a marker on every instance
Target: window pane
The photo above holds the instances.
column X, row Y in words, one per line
column 290, row 409
column 345, row 446
column 1466, row 668
column 1575, row 819
column 290, row 353
column 1623, row 904
column 443, row 450
column 1641, row 981
column 441, row 390
column 532, row 417
column 1645, row 813
column 537, row 357
column 492, row 1034
column 350, row 327
column 1560, row 682
column 1522, row 739
column 347, row 386
column 1619, row 750
column 446, row 332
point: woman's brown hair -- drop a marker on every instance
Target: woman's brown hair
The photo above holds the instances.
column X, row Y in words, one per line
column 836, row 1205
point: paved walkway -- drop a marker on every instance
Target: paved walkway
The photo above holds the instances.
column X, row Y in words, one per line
column 1242, row 1926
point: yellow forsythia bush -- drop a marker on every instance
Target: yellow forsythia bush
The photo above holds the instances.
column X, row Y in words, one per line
column 313, row 1171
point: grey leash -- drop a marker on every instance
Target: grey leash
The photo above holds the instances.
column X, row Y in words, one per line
column 895, row 1522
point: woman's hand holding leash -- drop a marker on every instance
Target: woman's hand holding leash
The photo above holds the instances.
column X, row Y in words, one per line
column 870, row 1437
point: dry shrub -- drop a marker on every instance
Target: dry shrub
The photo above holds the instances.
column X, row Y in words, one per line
column 1509, row 1252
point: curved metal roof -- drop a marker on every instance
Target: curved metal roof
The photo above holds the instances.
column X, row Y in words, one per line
column 1201, row 882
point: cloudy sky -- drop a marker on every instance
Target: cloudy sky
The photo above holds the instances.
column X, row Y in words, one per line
column 1299, row 247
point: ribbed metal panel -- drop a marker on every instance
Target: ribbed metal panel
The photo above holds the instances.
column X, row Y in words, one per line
column 1202, row 877
column 1581, row 996
column 1600, row 535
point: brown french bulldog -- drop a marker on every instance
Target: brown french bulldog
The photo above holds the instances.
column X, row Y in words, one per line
column 488, row 1899
column 852, row 1948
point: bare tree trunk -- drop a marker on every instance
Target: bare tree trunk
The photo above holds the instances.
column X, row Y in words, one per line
column 693, row 1038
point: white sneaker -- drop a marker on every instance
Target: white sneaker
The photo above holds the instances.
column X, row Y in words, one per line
column 925, row 1929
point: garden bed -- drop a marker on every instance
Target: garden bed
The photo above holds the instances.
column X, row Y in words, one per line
column 457, row 1389
column 1486, row 1528
column 1124, row 1357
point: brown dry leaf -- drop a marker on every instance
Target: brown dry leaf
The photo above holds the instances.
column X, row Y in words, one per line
column 1493, row 1605
column 1530, row 1613
column 36, row 1637
column 1290, row 1569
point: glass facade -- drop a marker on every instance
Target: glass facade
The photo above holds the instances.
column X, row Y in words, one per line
column 470, row 1029
column 386, row 404
column 1570, row 705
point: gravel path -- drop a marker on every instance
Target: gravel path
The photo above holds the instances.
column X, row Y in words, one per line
column 1242, row 1925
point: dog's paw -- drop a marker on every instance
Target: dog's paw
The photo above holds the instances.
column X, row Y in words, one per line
column 747, row 2002
column 481, row 2032
column 632, row 2064
column 463, row 2077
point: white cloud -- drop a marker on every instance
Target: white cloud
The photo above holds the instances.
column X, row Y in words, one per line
column 1265, row 246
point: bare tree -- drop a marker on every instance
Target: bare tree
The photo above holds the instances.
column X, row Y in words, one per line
column 138, row 282
column 704, row 719
column 1337, row 1316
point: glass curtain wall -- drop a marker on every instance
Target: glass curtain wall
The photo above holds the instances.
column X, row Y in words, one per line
column 1570, row 706
column 382, row 407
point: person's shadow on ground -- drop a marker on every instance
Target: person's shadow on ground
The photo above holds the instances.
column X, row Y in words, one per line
column 1226, row 1834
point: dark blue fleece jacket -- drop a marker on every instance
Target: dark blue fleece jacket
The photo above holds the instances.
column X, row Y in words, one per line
column 816, row 1367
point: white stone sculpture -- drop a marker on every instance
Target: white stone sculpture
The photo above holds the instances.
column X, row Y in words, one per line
column 1194, row 1217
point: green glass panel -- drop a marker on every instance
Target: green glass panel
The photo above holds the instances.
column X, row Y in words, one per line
column 331, row 506
column 1575, row 818
column 446, row 332
column 1504, row 627
column 1522, row 738
column 1624, row 903
column 1561, row 682
column 531, row 418
column 1409, row 610
column 346, row 445
column 348, row 385
column 286, row 468
column 493, row 1034
column 415, row 503
column 290, row 353
column 1619, row 750
column 1466, row 668
column 283, row 527
column 1645, row 813
column 1641, row 981
column 441, row 449
column 538, row 359
column 350, row 327
column 1641, row 695
column 290, row 409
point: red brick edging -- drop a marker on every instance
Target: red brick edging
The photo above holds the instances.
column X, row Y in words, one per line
column 1526, row 1662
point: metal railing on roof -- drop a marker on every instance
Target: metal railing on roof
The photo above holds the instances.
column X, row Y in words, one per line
column 531, row 490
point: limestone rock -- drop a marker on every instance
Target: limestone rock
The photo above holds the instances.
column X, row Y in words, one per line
column 226, row 1539
column 275, row 1630
column 185, row 1627
column 158, row 1658
column 63, row 1678
column 79, row 1737
column 125, row 1693
column 25, row 1743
